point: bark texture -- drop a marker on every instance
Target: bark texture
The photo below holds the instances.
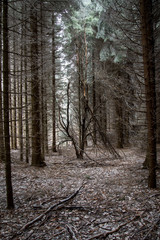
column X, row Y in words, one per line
column 94, row 97
column 149, row 76
column 53, row 87
column 1, row 111
column 119, row 122
column 37, row 158
column 10, row 203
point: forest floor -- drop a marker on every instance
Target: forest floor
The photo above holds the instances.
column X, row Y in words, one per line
column 113, row 201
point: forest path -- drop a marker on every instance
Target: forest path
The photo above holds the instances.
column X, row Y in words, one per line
column 114, row 192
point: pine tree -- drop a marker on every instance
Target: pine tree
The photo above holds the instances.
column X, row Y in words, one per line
column 149, row 76
column 37, row 158
column 10, row 203
column 53, row 86
column 2, row 157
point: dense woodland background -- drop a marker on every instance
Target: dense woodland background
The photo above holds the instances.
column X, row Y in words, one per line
column 78, row 75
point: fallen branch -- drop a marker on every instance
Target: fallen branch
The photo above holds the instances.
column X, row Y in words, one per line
column 153, row 227
column 72, row 234
column 106, row 234
column 46, row 213
column 59, row 233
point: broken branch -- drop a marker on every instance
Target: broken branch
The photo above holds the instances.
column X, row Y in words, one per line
column 72, row 234
column 45, row 214
column 106, row 234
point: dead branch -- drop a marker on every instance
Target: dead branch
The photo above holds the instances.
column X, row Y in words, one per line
column 44, row 215
column 79, row 208
column 59, row 233
column 104, row 137
column 106, row 234
column 72, row 234
column 152, row 228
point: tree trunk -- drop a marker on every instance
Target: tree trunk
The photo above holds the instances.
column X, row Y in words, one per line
column 42, row 84
column 149, row 77
column 21, row 91
column 2, row 157
column 15, row 90
column 20, row 113
column 10, row 203
column 105, row 116
column 11, row 117
column 79, row 98
column 126, row 127
column 14, row 106
column 37, row 158
column 46, row 122
column 119, row 123
column 53, row 87
column 27, row 143
column 94, row 98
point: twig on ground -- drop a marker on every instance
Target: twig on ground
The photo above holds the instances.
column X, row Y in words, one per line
column 79, row 208
column 106, row 234
column 30, row 234
column 154, row 226
column 86, row 224
column 44, row 215
column 72, row 234
column 59, row 233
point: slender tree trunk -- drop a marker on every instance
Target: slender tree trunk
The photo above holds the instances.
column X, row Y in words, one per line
column 128, row 112
column 84, row 98
column 27, row 143
column 15, row 90
column 12, row 91
column 37, row 158
column 21, row 91
column 11, row 117
column 20, row 114
column 53, row 87
column 46, row 122
column 15, row 111
column 27, row 146
column 105, row 116
column 42, row 85
column 79, row 94
column 127, row 130
column 149, row 77
column 2, row 157
column 94, row 97
column 10, row 203
column 119, row 123
column 82, row 103
column 84, row 118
